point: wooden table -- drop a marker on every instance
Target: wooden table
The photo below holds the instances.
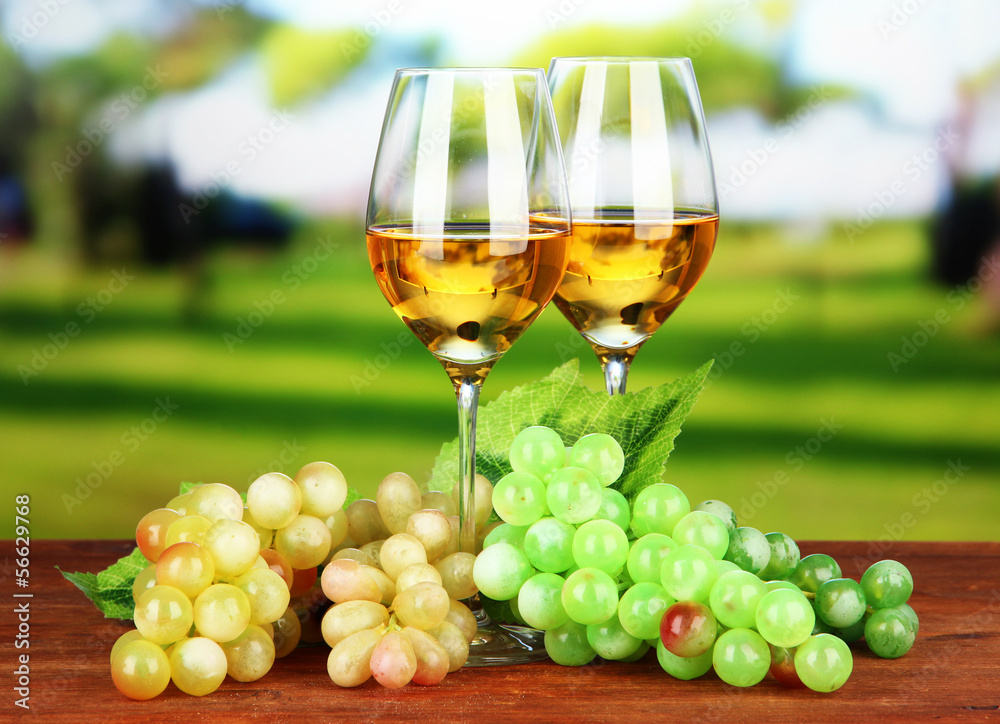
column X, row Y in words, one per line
column 953, row 671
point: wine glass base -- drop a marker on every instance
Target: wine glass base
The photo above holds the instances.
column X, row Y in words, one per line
column 497, row 645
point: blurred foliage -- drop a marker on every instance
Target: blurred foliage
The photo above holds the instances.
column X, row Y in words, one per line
column 301, row 63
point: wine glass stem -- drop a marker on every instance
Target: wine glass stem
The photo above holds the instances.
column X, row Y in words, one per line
column 616, row 373
column 467, row 389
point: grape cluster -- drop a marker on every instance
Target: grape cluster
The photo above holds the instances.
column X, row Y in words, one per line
column 216, row 597
column 396, row 584
column 603, row 578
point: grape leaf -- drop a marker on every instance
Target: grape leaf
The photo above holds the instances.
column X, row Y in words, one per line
column 111, row 589
column 645, row 423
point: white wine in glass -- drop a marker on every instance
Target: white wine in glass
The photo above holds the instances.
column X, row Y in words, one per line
column 642, row 191
column 468, row 235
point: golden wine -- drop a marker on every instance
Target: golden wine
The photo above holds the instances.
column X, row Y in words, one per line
column 470, row 291
column 625, row 277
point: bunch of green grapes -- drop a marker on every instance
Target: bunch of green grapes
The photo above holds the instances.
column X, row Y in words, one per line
column 218, row 595
column 604, row 578
column 396, row 584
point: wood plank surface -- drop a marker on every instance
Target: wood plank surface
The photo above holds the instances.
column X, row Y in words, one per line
column 951, row 674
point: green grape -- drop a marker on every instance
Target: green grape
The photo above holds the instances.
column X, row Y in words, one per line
column 889, row 633
column 456, row 574
column 128, row 636
column 688, row 573
column 540, row 601
column 813, row 570
column 657, row 508
column 840, row 602
column 397, row 498
column 775, row 585
column 741, row 657
column 590, row 596
column 734, row 599
column 720, row 510
column 431, row 658
column 250, row 655
column 749, row 549
column 348, row 663
column 507, row 533
column 784, row 557
column 145, row 579
column 823, row 662
column 234, row 546
column 537, row 450
column 454, row 642
column 614, row 507
column 573, row 495
column 601, row 455
column 641, row 609
column 190, row 528
column 639, row 653
column 140, row 670
column 400, row 551
column 645, row 558
column 887, row 584
column 702, row 529
column 417, row 573
column 273, row 500
column 344, row 619
column 501, row 570
column 163, row 614
column 519, row 498
column 216, row 501
column 198, row 666
column 852, row 633
column 221, row 612
column 785, row 618
column 600, row 544
column 905, row 610
column 305, row 542
column 611, row 641
column 725, row 567
column 323, row 488
column 423, row 605
column 548, row 544
column 432, row 529
column 567, row 645
column 683, row 667
column 266, row 593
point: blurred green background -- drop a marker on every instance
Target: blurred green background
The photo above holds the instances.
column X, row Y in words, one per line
column 155, row 328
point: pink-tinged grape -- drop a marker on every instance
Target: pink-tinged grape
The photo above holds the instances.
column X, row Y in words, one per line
column 323, row 489
column 393, row 662
column 500, row 571
column 190, row 528
column 680, row 667
column 540, row 601
column 364, row 524
column 266, row 593
column 601, row 455
column 645, row 558
column 132, row 635
column 454, row 642
column 198, row 666
column 421, row 606
column 537, row 450
column 823, row 662
column 349, row 662
column 216, row 501
column 600, row 544
column 785, row 618
column 889, row 632
column 734, row 599
column 344, row 580
column 887, row 584
column 567, row 645
column 458, row 574
column 783, row 667
column 611, row 641
column 186, row 566
column 144, row 580
column 548, row 545
column 573, row 495
column 345, row 619
column 273, row 500
column 432, row 529
column 813, row 570
column 250, row 655
column 463, row 619
column 398, row 552
column 417, row 573
column 482, row 499
column 337, row 525
column 279, row 564
column 784, row 557
column 287, row 632
column 151, row 533
column 702, row 529
column 614, row 507
column 163, row 614
column 440, row 501
column 749, row 549
column 362, row 557
column 519, row 498
column 221, row 612
column 305, row 542
column 840, row 602
column 590, row 596
column 506, row 533
column 233, row 545
column 386, row 586
column 657, row 508
column 641, row 609
column 688, row 629
column 398, row 497
column 720, row 510
column 430, row 657
column 140, row 670
column 688, row 573
column 741, row 657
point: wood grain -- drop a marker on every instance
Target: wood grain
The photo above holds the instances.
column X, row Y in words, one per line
column 952, row 673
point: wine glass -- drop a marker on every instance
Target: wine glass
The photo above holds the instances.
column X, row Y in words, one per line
column 642, row 190
column 468, row 235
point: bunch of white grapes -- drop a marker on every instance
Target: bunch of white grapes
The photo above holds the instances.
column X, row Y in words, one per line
column 397, row 583
column 216, row 596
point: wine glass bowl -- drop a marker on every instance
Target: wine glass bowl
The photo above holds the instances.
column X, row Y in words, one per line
column 642, row 191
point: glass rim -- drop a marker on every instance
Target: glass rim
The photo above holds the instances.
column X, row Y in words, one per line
column 620, row 58
column 417, row 70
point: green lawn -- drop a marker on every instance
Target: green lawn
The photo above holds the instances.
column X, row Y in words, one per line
column 328, row 375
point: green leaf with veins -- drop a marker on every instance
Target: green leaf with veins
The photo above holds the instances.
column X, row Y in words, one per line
column 111, row 589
